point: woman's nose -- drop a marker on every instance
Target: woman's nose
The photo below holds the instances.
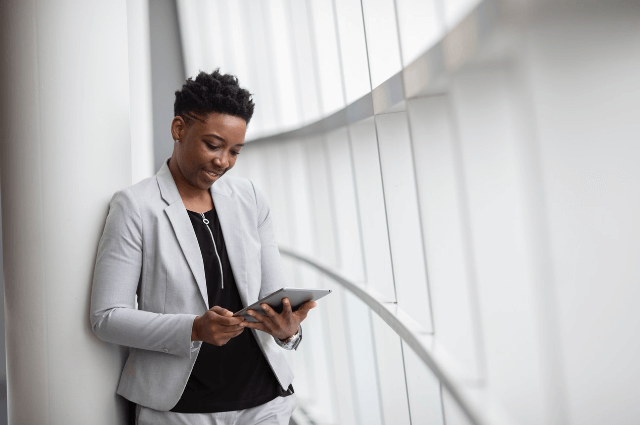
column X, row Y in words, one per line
column 222, row 160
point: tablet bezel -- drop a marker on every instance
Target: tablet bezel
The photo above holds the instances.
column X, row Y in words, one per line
column 297, row 297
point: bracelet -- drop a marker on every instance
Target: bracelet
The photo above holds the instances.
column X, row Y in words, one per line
column 288, row 339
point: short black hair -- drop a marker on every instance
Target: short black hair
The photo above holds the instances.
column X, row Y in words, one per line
column 213, row 92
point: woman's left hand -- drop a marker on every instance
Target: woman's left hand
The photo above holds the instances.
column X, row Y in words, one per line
column 282, row 325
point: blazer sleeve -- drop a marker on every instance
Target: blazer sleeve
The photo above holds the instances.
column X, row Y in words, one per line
column 117, row 274
column 270, row 261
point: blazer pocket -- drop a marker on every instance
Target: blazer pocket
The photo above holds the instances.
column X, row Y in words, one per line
column 154, row 291
column 181, row 292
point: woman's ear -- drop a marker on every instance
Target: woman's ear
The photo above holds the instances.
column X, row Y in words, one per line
column 178, row 128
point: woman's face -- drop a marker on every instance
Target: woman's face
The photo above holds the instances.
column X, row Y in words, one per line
column 207, row 149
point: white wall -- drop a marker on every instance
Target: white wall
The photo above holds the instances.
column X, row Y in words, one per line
column 64, row 110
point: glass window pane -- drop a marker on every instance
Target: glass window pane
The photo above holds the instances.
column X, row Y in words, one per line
column 328, row 61
column 212, row 45
column 421, row 27
column 344, row 201
column 299, row 199
column 353, row 49
column 393, row 386
column 275, row 155
column 382, row 40
column 425, row 400
column 318, row 337
column 267, row 112
column 363, row 360
column 455, row 311
column 452, row 411
column 456, row 10
column 486, row 119
column 321, row 199
column 306, row 56
column 283, row 62
column 403, row 217
column 375, row 235
column 340, row 348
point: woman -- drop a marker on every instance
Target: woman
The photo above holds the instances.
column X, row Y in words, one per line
column 195, row 245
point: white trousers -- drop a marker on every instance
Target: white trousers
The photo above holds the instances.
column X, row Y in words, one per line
column 275, row 412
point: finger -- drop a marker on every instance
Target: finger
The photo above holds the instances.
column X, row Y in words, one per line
column 256, row 325
column 229, row 321
column 286, row 307
column 258, row 316
column 221, row 311
column 228, row 337
column 269, row 311
column 236, row 333
column 304, row 308
column 299, row 317
column 231, row 329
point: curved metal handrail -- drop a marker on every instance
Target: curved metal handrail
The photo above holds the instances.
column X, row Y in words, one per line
column 477, row 406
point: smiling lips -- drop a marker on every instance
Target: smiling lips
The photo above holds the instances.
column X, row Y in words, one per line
column 213, row 173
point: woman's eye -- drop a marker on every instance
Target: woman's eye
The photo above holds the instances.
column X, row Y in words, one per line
column 210, row 146
column 234, row 153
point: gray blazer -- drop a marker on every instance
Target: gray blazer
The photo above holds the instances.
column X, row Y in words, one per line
column 149, row 248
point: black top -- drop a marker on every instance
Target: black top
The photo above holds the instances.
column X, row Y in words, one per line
column 236, row 375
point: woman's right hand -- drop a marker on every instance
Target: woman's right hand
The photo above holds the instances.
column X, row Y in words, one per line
column 217, row 326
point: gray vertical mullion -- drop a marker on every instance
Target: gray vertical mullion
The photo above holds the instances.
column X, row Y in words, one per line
column 395, row 10
column 376, row 368
column 366, row 46
column 444, row 415
column 406, row 384
column 386, row 216
column 424, row 248
column 415, row 180
column 417, row 191
column 353, row 168
column 375, row 125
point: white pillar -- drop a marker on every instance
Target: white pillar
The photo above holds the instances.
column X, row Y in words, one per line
column 142, row 164
column 64, row 115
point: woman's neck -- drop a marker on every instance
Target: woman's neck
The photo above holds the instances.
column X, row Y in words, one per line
column 193, row 198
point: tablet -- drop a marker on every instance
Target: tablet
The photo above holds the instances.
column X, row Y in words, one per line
column 297, row 297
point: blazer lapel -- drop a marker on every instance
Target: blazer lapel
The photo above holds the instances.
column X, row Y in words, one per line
column 228, row 213
column 189, row 243
column 182, row 227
